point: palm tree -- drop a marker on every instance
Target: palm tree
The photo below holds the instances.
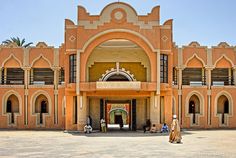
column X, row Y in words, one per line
column 18, row 41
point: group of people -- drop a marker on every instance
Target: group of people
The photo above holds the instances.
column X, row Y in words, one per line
column 88, row 127
column 175, row 135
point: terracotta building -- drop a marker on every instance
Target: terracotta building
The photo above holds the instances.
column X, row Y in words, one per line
column 118, row 66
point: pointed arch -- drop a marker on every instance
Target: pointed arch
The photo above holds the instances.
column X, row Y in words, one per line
column 12, row 56
column 5, row 98
column 38, row 58
column 226, row 58
column 34, row 97
column 194, row 56
column 230, row 99
column 201, row 104
column 230, row 104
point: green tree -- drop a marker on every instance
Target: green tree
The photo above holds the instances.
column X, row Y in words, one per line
column 18, row 41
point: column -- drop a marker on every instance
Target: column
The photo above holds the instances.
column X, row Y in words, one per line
column 209, row 107
column 208, row 82
column 26, row 93
column 179, row 78
column 180, row 105
column 81, row 111
column 56, row 78
column 5, row 76
column 158, row 72
column 1, row 75
column 155, row 109
column 208, row 78
column 234, row 75
column 77, row 73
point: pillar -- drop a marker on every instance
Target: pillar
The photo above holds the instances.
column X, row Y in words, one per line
column 158, row 72
column 208, row 82
column 5, row 76
column 234, row 75
column 56, row 78
column 78, row 73
column 81, row 111
column 179, row 77
column 26, row 84
column 155, row 109
column 209, row 107
column 1, row 75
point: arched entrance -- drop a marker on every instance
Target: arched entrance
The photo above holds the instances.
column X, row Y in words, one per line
column 119, row 62
column 194, row 107
column 119, row 116
column 223, row 107
column 41, row 108
column 12, row 108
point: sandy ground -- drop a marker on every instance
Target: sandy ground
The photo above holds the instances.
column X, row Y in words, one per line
column 206, row 143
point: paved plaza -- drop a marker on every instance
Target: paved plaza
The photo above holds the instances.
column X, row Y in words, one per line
column 205, row 143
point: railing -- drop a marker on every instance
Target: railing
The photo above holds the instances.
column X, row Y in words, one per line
column 201, row 81
column 10, row 80
column 222, row 81
column 174, row 82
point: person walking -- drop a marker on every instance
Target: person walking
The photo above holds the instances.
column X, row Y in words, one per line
column 175, row 135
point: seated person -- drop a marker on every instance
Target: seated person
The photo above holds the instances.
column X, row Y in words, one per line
column 147, row 126
column 87, row 129
column 164, row 128
column 153, row 129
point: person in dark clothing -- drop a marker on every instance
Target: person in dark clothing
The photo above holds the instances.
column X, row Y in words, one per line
column 147, row 126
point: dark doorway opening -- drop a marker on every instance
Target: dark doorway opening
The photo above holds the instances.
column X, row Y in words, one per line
column 43, row 110
column 9, row 110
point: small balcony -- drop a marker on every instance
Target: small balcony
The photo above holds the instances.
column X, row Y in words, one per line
column 41, row 76
column 12, row 76
column 222, row 81
column 222, row 77
column 193, row 77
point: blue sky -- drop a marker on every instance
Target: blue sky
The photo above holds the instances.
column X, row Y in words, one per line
column 206, row 21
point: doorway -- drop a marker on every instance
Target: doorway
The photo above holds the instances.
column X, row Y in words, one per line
column 120, row 115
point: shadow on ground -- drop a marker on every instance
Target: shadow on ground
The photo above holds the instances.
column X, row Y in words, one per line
column 124, row 133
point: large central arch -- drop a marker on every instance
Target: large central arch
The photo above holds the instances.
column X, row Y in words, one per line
column 130, row 35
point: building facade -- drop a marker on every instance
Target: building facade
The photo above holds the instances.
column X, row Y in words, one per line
column 119, row 66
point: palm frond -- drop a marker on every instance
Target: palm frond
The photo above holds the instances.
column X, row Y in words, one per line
column 18, row 41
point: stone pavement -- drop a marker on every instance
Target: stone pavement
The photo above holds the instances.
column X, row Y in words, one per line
column 205, row 143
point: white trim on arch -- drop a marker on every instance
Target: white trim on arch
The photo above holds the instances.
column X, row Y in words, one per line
column 38, row 58
column 192, row 57
column 32, row 106
column 201, row 100
column 223, row 56
column 117, row 30
column 9, row 57
column 121, row 71
column 4, row 108
column 230, row 99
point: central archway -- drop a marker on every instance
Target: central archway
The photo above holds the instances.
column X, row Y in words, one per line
column 129, row 35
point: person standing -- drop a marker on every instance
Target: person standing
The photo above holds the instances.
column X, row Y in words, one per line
column 89, row 120
column 103, row 125
column 175, row 135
